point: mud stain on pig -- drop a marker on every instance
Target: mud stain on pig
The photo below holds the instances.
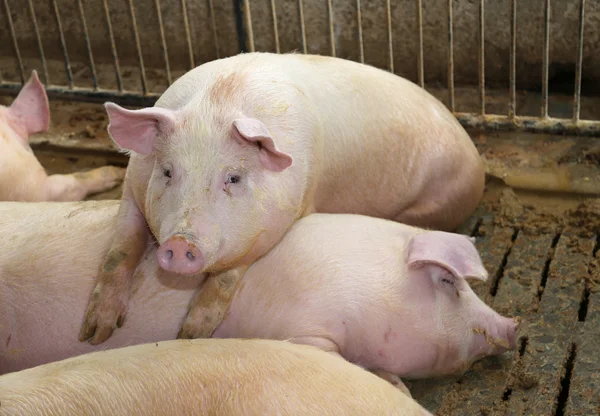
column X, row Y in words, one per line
column 115, row 258
column 225, row 87
column 8, row 340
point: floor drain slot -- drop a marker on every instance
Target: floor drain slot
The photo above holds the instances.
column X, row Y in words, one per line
column 565, row 382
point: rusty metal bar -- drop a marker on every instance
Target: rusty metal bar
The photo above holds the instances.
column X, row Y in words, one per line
column 420, row 66
column 302, row 26
column 450, row 56
column 213, row 20
column 188, row 34
column 138, row 47
column 389, row 35
column 275, row 29
column 249, row 25
column 578, row 68
column 163, row 41
column 546, row 57
column 512, row 106
column 331, row 32
column 39, row 42
column 360, row 33
column 88, row 44
column 63, row 44
column 14, row 40
column 482, row 56
column 113, row 45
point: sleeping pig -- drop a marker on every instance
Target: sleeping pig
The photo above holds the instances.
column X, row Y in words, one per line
column 202, row 377
column 239, row 148
column 22, row 177
column 387, row 296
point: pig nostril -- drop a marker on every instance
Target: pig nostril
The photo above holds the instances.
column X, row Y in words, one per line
column 169, row 254
column 190, row 256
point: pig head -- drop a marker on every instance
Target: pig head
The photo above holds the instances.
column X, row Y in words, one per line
column 219, row 189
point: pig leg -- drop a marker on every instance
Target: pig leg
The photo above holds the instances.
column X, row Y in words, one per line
column 108, row 303
column 210, row 303
column 394, row 380
column 76, row 186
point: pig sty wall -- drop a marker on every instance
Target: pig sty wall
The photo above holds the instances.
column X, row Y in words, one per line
column 505, row 68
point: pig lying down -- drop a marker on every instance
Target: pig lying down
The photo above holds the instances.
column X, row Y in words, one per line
column 201, row 377
column 239, row 148
column 389, row 297
column 22, row 177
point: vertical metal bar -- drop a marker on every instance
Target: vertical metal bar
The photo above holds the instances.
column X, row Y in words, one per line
column 213, row 20
column 546, row 58
column 420, row 68
column 512, row 107
column 163, row 41
column 482, row 55
column 302, row 26
column 14, row 39
column 249, row 25
column 63, row 45
column 331, row 31
column 39, row 42
column 113, row 46
column 360, row 34
column 88, row 45
column 389, row 27
column 138, row 48
column 450, row 56
column 275, row 29
column 188, row 35
column 579, row 64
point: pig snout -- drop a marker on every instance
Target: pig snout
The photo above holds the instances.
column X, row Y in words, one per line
column 499, row 336
column 179, row 255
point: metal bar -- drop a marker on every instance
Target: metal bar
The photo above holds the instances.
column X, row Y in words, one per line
column 14, row 40
column 450, row 56
column 512, row 107
column 39, row 42
column 546, row 57
column 420, row 66
column 482, row 56
column 275, row 29
column 213, row 24
column 188, row 34
column 113, row 46
column 138, row 48
column 163, row 41
column 249, row 25
column 331, row 31
column 389, row 34
column 579, row 64
column 88, row 44
column 302, row 26
column 63, row 45
column 360, row 33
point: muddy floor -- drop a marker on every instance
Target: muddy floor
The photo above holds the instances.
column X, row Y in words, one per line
column 538, row 238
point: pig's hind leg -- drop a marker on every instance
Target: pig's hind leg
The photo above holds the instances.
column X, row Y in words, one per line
column 76, row 186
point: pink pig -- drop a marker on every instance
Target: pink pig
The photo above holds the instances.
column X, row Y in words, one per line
column 22, row 177
column 239, row 148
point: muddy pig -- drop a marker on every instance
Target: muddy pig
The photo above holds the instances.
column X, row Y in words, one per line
column 22, row 177
column 384, row 295
column 239, row 148
column 203, row 377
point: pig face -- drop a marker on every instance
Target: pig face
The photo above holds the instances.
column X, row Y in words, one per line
column 456, row 328
column 218, row 193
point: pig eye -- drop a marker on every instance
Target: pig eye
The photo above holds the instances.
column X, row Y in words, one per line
column 167, row 172
column 447, row 281
column 233, row 179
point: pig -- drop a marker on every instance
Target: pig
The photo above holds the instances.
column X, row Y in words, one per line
column 237, row 149
column 389, row 297
column 203, row 377
column 22, row 177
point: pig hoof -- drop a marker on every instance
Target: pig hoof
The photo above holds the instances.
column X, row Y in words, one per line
column 104, row 314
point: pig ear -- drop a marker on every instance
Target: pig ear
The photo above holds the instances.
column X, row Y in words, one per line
column 137, row 130
column 453, row 252
column 30, row 108
column 254, row 131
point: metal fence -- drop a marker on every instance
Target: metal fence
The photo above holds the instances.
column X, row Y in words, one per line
column 245, row 37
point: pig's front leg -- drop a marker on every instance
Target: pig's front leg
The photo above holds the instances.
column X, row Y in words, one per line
column 76, row 186
column 207, row 308
column 394, row 380
column 108, row 304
